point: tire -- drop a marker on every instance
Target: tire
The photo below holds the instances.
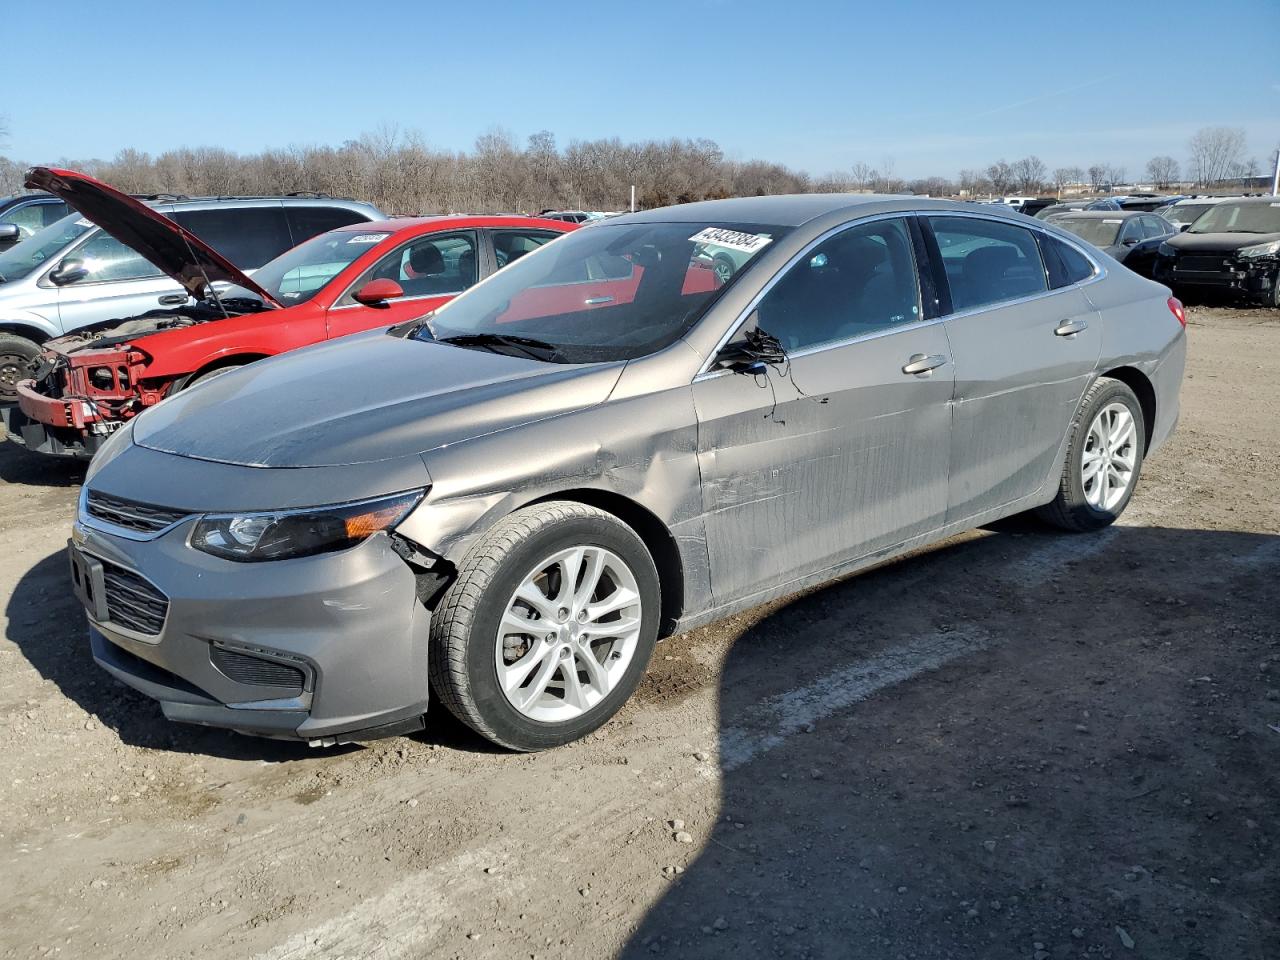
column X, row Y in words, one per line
column 210, row 374
column 724, row 268
column 1081, row 504
column 1272, row 299
column 16, row 353
column 466, row 652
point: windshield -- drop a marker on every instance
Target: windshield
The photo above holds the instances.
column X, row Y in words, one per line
column 31, row 254
column 1100, row 232
column 643, row 286
column 1233, row 218
column 1179, row 213
column 298, row 274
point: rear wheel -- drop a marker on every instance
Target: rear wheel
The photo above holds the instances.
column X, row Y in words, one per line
column 16, row 356
column 1104, row 459
column 548, row 628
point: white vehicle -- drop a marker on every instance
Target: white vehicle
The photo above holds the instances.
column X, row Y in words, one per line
column 1183, row 213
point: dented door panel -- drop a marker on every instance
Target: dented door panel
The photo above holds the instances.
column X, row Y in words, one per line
column 852, row 459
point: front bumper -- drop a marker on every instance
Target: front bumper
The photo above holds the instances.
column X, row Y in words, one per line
column 1254, row 279
column 330, row 648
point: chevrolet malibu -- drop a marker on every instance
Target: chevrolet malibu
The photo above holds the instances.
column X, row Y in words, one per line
column 509, row 500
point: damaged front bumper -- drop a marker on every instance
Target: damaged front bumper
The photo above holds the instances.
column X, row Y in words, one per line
column 326, row 649
column 1255, row 278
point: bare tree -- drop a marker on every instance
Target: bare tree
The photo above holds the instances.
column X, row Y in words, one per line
column 863, row 174
column 1214, row 150
column 1098, row 176
column 1028, row 174
column 1162, row 171
column 1001, row 176
column 1116, row 175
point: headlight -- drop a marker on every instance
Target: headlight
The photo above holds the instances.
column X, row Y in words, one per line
column 1259, row 250
column 1166, row 251
column 282, row 534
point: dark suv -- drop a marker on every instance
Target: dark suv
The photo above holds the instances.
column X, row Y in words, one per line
column 1233, row 247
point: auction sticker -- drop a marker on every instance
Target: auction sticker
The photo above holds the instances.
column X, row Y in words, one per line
column 732, row 239
column 367, row 238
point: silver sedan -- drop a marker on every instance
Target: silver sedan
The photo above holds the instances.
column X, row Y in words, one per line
column 511, row 500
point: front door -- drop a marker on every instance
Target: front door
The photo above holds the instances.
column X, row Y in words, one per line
column 120, row 284
column 431, row 270
column 843, row 451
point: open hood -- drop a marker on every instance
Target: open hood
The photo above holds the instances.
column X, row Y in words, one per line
column 174, row 249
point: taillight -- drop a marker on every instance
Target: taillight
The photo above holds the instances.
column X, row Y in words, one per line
column 1176, row 308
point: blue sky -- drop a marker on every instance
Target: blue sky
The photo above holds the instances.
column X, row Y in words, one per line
column 817, row 85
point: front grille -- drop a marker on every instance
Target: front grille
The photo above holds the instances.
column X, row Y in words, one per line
column 260, row 673
column 1200, row 264
column 133, row 602
column 143, row 517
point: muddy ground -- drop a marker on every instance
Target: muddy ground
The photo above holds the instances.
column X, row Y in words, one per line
column 1016, row 744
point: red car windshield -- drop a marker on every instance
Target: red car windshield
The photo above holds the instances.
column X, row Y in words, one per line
column 298, row 274
column 611, row 291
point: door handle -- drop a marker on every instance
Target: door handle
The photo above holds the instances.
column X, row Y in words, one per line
column 593, row 301
column 173, row 299
column 922, row 364
column 1069, row 328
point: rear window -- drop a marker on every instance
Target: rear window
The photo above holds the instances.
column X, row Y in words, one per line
column 1064, row 263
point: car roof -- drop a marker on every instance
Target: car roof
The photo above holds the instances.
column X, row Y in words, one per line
column 793, row 210
column 1105, row 214
column 167, row 203
column 448, row 221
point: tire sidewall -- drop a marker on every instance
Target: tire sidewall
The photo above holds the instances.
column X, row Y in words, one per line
column 12, row 343
column 507, row 722
column 1112, row 392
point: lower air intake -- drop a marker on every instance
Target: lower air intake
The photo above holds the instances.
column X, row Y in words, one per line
column 243, row 668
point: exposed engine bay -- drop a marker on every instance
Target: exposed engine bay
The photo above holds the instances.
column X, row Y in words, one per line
column 112, row 333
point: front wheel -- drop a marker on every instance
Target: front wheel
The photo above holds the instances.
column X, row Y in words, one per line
column 1104, row 459
column 16, row 356
column 548, row 628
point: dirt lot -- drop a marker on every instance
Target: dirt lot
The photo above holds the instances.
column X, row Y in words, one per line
column 1017, row 744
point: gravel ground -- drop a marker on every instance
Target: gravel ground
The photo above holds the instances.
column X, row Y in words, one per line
column 1015, row 744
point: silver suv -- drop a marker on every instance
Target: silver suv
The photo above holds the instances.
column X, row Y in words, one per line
column 71, row 274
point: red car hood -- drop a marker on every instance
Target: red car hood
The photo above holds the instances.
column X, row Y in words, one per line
column 174, row 249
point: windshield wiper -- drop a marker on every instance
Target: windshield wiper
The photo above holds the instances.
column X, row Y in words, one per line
column 534, row 349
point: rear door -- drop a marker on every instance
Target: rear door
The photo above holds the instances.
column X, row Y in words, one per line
column 1023, row 352
column 431, row 269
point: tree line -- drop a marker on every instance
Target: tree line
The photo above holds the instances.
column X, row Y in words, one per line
column 401, row 173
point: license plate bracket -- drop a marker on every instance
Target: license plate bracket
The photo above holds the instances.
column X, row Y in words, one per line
column 88, row 582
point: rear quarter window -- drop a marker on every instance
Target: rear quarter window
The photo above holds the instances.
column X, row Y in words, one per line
column 247, row 236
column 1064, row 263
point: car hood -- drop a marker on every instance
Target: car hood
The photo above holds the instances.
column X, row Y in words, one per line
column 365, row 398
column 175, row 250
column 1217, row 242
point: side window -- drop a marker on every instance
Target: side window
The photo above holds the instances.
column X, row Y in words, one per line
column 429, row 266
column 987, row 261
column 308, row 222
column 511, row 245
column 860, row 281
column 247, row 236
column 106, row 258
column 1132, row 230
column 51, row 213
column 1155, row 227
column 28, row 217
column 1066, row 265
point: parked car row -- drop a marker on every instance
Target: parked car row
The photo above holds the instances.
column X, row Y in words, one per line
column 136, row 338
column 504, row 492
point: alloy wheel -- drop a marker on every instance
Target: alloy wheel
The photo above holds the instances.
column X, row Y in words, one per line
column 1109, row 457
column 568, row 634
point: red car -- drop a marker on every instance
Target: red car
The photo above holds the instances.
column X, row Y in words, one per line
column 87, row 384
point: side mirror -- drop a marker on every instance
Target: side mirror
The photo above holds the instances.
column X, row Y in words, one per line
column 68, row 271
column 739, row 358
column 9, row 233
column 1184, row 227
column 376, row 293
